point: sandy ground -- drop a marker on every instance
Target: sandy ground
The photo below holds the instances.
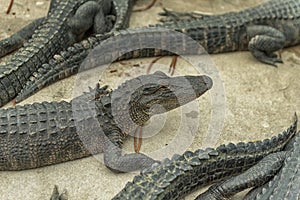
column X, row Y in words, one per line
column 259, row 101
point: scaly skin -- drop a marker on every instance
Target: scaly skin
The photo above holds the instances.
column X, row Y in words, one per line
column 59, row 66
column 44, row 43
column 45, row 133
column 285, row 184
column 69, row 61
column 16, row 40
column 276, row 177
column 263, row 30
column 173, row 179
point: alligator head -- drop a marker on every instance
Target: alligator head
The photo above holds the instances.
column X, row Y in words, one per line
column 138, row 99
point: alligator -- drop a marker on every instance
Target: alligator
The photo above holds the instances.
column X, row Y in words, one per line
column 285, row 184
column 74, row 55
column 275, row 177
column 121, row 11
column 262, row 30
column 174, row 178
column 66, row 24
column 41, row 134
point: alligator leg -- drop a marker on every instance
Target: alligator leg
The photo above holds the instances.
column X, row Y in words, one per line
column 91, row 14
column 56, row 196
column 117, row 162
column 264, row 42
column 54, row 32
column 257, row 175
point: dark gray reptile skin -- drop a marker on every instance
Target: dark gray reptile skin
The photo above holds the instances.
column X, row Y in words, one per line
column 44, row 43
column 67, row 62
column 47, row 133
column 286, row 183
column 282, row 167
column 18, row 39
column 174, row 178
column 263, row 30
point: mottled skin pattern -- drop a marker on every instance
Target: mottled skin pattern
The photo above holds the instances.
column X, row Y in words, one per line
column 67, row 62
column 173, row 179
column 55, row 30
column 276, row 177
column 262, row 30
column 286, row 182
column 16, row 40
column 40, row 134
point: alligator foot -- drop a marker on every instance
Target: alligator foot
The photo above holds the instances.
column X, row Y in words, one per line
column 264, row 41
column 90, row 15
column 115, row 161
column 56, row 196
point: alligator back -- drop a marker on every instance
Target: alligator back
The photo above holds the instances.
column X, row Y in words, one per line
column 36, row 135
column 227, row 32
column 41, row 134
column 183, row 173
column 45, row 42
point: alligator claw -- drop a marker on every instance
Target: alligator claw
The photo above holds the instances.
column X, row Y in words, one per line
column 56, row 196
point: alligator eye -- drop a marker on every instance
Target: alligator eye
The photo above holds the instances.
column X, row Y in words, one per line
column 150, row 89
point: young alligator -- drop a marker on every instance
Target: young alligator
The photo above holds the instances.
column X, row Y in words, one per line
column 282, row 167
column 174, row 178
column 120, row 11
column 69, row 60
column 66, row 23
column 263, row 30
column 45, row 133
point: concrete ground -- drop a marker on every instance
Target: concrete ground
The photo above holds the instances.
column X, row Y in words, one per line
column 260, row 101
